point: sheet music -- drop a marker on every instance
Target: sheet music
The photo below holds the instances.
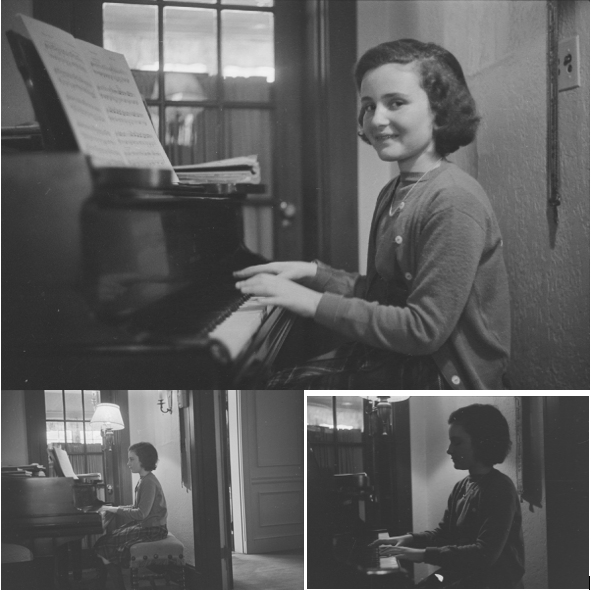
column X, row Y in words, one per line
column 124, row 107
column 101, row 99
column 75, row 87
column 64, row 461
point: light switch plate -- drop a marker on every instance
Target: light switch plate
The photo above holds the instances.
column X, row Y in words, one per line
column 568, row 64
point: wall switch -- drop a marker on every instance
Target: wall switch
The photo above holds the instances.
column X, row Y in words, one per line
column 568, row 64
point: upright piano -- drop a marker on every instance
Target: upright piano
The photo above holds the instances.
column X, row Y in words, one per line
column 123, row 285
column 117, row 276
column 339, row 534
column 59, row 509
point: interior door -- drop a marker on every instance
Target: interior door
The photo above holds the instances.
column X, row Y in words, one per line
column 271, row 483
column 211, row 498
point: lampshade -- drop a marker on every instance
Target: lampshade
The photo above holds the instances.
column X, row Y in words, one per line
column 107, row 416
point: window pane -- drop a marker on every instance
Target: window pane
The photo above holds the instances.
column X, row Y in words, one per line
column 55, row 432
column 350, row 460
column 320, row 422
column 88, row 402
column 192, row 135
column 74, row 432
column 248, row 131
column 190, row 49
column 248, row 62
column 73, row 404
column 325, row 457
column 261, row 3
column 54, row 407
column 132, row 29
column 147, row 83
column 95, row 463
column 350, row 418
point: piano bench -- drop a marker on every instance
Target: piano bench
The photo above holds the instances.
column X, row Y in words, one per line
column 163, row 559
column 18, row 571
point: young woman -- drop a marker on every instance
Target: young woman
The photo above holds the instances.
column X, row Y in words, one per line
column 147, row 515
column 479, row 542
column 433, row 310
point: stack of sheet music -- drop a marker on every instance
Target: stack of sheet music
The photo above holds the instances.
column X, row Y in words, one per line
column 23, row 471
column 232, row 171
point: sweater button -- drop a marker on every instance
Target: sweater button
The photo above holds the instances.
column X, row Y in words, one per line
column 455, row 380
column 398, row 239
column 408, row 276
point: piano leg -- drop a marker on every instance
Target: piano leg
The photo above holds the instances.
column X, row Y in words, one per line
column 76, row 557
column 60, row 573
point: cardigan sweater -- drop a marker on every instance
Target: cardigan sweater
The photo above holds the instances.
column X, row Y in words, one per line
column 480, row 534
column 149, row 506
column 436, row 282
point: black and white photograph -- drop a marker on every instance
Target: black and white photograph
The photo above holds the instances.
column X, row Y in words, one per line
column 143, row 489
column 447, row 492
column 284, row 194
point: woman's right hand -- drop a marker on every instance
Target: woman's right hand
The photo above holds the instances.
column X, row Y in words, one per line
column 293, row 270
column 406, row 540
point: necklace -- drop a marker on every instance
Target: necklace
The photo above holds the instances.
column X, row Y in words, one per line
column 401, row 205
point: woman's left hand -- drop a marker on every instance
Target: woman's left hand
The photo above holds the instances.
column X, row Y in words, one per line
column 410, row 554
column 279, row 291
column 109, row 509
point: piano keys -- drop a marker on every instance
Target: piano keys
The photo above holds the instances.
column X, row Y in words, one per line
column 126, row 285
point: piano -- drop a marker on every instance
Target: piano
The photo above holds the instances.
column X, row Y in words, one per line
column 340, row 530
column 59, row 509
column 123, row 278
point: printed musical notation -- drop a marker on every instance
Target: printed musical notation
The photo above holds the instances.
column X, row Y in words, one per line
column 101, row 99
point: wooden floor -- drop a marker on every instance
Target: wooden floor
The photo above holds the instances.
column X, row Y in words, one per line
column 279, row 570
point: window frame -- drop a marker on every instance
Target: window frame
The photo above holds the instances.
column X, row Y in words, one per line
column 336, row 444
column 217, row 104
column 85, row 453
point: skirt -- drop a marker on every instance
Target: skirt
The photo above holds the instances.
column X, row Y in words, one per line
column 354, row 366
column 115, row 546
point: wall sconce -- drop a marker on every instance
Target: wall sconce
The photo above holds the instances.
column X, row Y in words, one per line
column 168, row 401
column 381, row 413
column 107, row 417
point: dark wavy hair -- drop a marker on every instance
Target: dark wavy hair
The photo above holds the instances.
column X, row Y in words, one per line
column 146, row 453
column 488, row 430
column 441, row 77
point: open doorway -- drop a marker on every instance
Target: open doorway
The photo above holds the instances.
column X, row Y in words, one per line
column 266, row 467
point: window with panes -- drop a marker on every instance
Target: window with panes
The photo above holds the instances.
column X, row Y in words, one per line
column 206, row 71
column 337, row 432
column 67, row 425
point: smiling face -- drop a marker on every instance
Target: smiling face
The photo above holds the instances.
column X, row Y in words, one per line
column 133, row 463
column 397, row 117
column 460, row 449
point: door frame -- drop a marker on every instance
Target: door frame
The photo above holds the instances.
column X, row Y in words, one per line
column 237, row 471
column 208, row 437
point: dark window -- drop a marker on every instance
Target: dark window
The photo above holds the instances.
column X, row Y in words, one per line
column 337, row 432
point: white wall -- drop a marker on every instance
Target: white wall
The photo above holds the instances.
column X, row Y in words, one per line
column 433, row 476
column 147, row 423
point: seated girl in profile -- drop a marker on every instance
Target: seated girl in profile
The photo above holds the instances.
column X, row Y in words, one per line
column 479, row 542
column 147, row 517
